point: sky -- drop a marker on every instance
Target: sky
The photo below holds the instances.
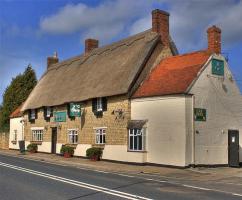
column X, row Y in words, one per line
column 32, row 30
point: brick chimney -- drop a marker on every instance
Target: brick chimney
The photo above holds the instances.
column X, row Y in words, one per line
column 214, row 39
column 52, row 60
column 90, row 44
column 160, row 25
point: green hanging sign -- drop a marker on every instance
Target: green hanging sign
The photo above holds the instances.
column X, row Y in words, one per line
column 218, row 67
column 200, row 114
column 75, row 110
column 60, row 116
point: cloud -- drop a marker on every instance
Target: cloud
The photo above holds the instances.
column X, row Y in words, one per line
column 189, row 20
column 141, row 25
column 104, row 21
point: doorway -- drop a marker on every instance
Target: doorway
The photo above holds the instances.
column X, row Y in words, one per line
column 233, row 148
column 53, row 140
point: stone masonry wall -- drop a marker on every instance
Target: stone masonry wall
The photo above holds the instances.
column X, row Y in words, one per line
column 4, row 139
column 116, row 132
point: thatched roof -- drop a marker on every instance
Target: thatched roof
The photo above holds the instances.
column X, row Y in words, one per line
column 106, row 71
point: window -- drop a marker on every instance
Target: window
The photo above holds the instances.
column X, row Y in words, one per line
column 32, row 114
column 48, row 112
column 99, row 104
column 37, row 135
column 72, row 136
column 100, row 136
column 15, row 135
column 136, row 139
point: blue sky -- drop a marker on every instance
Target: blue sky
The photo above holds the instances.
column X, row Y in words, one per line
column 31, row 30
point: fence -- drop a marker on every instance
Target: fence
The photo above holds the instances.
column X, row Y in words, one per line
column 4, row 140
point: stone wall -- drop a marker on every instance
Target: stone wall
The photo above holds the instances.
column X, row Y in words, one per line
column 116, row 131
column 4, row 140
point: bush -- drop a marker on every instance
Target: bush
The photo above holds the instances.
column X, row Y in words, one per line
column 67, row 150
column 33, row 148
column 94, row 153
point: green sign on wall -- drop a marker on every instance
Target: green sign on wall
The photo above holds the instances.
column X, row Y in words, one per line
column 75, row 110
column 60, row 116
column 200, row 114
column 217, row 67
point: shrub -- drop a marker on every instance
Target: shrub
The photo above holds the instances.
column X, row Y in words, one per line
column 67, row 150
column 32, row 148
column 94, row 153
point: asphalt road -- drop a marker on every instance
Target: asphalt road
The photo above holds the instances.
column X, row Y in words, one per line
column 23, row 179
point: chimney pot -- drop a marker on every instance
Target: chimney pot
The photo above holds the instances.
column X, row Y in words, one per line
column 90, row 44
column 214, row 39
column 52, row 60
column 160, row 25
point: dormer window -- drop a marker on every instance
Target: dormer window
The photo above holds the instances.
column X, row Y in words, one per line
column 99, row 104
column 32, row 114
column 48, row 111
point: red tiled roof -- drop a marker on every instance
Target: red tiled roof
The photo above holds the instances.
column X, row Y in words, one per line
column 16, row 113
column 173, row 75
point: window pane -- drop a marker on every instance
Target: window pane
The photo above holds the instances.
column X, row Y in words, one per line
column 131, row 143
column 101, row 139
column 104, row 139
column 97, row 139
column 135, row 142
column 139, row 142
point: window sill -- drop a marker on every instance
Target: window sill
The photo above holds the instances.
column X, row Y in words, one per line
column 99, row 145
column 14, row 142
column 36, row 142
column 137, row 151
column 71, row 145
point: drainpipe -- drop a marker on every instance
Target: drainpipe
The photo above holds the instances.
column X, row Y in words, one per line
column 193, row 132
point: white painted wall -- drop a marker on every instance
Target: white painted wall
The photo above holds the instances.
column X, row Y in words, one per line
column 166, row 128
column 111, row 152
column 222, row 99
column 120, row 153
column 15, row 124
column 43, row 147
column 81, row 149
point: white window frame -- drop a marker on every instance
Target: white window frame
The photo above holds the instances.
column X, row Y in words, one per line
column 140, row 132
column 37, row 134
column 32, row 114
column 48, row 111
column 100, row 134
column 99, row 104
column 72, row 136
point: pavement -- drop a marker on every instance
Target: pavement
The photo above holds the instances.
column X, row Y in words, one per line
column 47, row 176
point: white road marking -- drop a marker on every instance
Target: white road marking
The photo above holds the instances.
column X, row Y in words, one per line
column 195, row 187
column 124, row 175
column 235, row 194
column 76, row 183
column 149, row 179
column 101, row 171
column 170, row 182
